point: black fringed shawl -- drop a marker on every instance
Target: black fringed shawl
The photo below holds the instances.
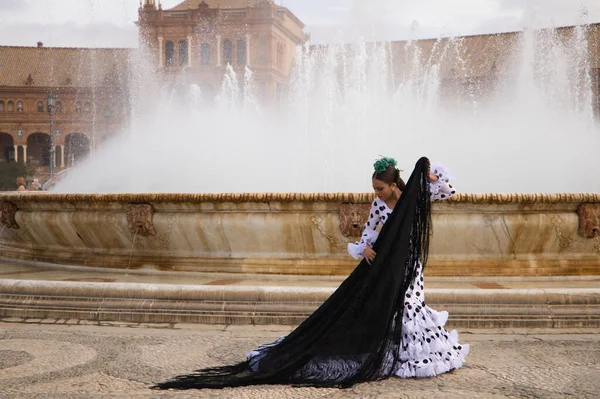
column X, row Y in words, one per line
column 355, row 335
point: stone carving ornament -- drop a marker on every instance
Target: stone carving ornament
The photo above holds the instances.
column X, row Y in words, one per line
column 352, row 218
column 139, row 219
column 7, row 217
column 589, row 220
column 335, row 241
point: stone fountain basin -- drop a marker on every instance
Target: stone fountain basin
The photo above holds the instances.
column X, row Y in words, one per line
column 302, row 234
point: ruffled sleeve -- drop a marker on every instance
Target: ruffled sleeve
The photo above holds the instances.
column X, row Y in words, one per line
column 370, row 233
column 441, row 189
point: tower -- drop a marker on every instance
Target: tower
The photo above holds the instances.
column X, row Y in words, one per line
column 149, row 4
column 197, row 40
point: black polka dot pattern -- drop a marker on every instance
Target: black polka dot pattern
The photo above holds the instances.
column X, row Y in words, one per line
column 376, row 217
column 441, row 189
column 427, row 348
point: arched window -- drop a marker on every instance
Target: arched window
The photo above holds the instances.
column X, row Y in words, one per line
column 19, row 106
column 169, row 53
column 241, row 52
column 205, row 54
column 227, row 52
column 77, row 108
column 10, row 107
column 183, row 53
column 58, row 107
column 40, row 106
column 1, row 106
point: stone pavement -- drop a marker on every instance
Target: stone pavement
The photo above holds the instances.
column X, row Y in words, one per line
column 84, row 359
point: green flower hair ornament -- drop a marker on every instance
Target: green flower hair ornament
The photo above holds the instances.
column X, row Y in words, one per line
column 382, row 163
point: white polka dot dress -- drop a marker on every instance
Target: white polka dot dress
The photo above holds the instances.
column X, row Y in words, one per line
column 427, row 348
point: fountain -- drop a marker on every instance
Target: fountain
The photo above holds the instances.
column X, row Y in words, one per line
column 237, row 188
column 346, row 104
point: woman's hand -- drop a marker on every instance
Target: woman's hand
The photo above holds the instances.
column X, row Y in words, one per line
column 433, row 178
column 369, row 254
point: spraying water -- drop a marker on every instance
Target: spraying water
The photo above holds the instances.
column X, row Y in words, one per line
column 523, row 123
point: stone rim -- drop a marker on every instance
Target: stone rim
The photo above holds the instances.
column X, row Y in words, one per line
column 489, row 198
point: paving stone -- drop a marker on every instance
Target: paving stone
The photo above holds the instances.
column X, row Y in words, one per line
column 89, row 361
column 12, row 320
column 116, row 323
column 152, row 325
column 196, row 326
column 88, row 323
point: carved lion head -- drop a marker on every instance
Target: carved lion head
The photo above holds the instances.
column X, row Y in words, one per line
column 8, row 211
column 352, row 218
column 139, row 219
column 589, row 220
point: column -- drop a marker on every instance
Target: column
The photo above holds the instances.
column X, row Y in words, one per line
column 189, row 42
column 62, row 156
column 25, row 154
column 161, row 62
column 16, row 153
column 248, row 49
column 218, row 50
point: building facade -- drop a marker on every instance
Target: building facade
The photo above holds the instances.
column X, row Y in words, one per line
column 195, row 43
column 197, row 40
column 91, row 103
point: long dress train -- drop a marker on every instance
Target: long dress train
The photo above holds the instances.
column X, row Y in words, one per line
column 427, row 348
column 357, row 334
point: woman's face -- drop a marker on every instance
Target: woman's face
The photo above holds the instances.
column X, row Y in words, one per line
column 383, row 190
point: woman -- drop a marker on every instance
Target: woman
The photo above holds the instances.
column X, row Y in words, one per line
column 364, row 330
column 427, row 348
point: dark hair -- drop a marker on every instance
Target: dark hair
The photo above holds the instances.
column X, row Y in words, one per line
column 390, row 175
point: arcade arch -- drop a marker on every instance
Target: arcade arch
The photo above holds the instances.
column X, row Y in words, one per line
column 77, row 148
column 7, row 147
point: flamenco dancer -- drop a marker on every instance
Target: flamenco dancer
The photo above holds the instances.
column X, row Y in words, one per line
column 376, row 325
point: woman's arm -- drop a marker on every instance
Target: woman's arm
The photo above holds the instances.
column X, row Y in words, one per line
column 440, row 186
column 369, row 234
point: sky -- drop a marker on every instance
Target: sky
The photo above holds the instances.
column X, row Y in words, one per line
column 110, row 23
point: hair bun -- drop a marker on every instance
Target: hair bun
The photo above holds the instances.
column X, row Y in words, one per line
column 382, row 163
